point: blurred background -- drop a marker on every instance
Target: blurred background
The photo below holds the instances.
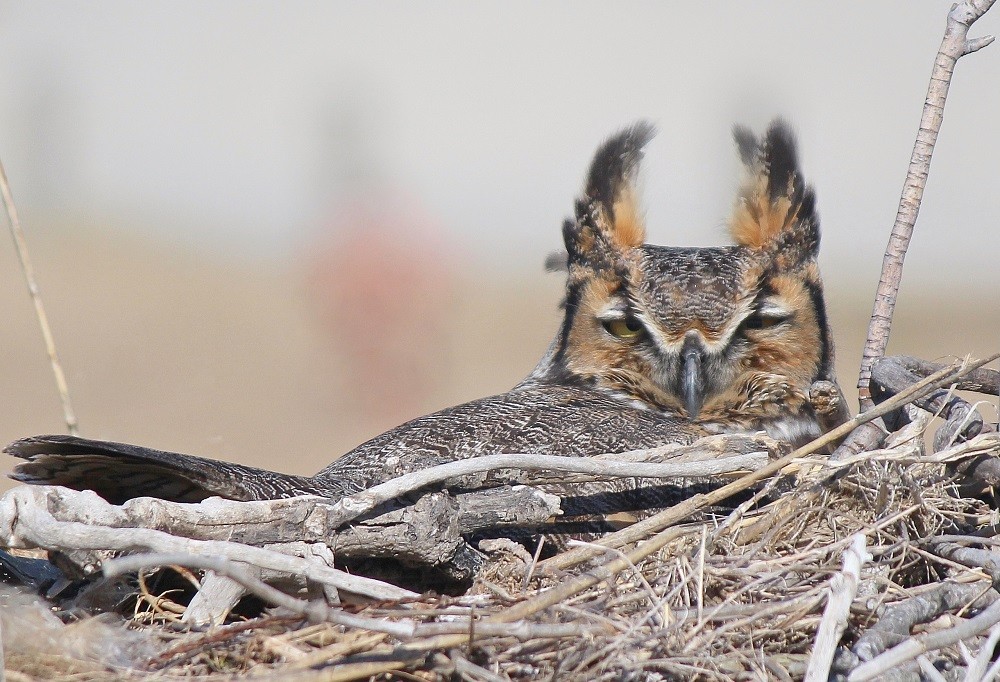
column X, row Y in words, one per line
column 267, row 231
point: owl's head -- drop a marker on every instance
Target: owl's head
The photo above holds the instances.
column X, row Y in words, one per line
column 729, row 336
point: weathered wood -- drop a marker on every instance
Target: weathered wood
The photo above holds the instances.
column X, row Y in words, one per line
column 895, row 374
column 426, row 532
column 981, row 380
column 219, row 594
column 216, row 598
column 962, row 420
column 843, row 589
column 920, row 610
column 27, row 522
column 703, row 458
column 896, row 624
column 507, row 506
column 423, row 531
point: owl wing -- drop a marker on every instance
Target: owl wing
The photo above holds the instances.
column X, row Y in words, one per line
column 544, row 419
column 554, row 420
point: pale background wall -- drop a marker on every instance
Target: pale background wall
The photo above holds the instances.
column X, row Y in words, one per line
column 266, row 231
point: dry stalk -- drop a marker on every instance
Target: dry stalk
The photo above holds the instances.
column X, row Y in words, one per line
column 21, row 245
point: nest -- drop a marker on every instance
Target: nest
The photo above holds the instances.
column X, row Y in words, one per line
column 877, row 564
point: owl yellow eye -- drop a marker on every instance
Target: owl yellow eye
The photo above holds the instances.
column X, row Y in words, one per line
column 760, row 321
column 623, row 328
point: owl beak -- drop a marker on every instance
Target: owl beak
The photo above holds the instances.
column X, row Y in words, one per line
column 692, row 383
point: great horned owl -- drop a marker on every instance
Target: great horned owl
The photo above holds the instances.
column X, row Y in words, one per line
column 657, row 345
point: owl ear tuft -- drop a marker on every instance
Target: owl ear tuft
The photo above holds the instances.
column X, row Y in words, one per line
column 775, row 209
column 608, row 216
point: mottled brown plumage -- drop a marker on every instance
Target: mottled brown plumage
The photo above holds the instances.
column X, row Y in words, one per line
column 657, row 345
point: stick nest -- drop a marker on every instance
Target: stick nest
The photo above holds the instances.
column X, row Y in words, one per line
column 735, row 596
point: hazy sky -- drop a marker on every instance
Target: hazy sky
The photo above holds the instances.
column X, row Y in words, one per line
column 244, row 125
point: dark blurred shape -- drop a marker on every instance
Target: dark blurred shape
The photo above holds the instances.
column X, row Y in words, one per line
column 37, row 574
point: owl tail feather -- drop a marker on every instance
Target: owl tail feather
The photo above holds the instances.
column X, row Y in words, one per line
column 119, row 472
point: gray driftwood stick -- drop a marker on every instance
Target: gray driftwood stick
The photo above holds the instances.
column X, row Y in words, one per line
column 898, row 620
column 703, row 458
column 912, row 647
column 258, row 523
column 315, row 519
column 843, row 590
column 219, row 594
column 26, row 522
column 319, row 611
column 962, row 420
column 981, row 380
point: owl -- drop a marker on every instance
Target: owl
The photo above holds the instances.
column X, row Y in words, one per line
column 657, row 345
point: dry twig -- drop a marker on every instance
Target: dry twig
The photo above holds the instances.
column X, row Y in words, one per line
column 915, row 646
column 626, row 465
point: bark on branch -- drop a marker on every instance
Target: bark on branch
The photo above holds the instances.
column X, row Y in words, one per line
column 954, row 45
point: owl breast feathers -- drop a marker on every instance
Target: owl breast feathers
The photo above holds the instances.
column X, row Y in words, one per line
column 657, row 345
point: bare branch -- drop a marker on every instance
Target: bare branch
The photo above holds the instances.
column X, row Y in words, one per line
column 317, row 611
column 895, row 624
column 982, row 380
column 954, row 45
column 622, row 466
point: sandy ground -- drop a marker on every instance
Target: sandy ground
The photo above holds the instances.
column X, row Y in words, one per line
column 236, row 360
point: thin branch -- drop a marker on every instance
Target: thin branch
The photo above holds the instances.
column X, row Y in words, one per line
column 468, row 670
column 983, row 380
column 898, row 620
column 928, row 669
column 984, row 559
column 36, row 298
column 318, row 611
column 351, row 507
column 954, row 45
column 978, row 669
